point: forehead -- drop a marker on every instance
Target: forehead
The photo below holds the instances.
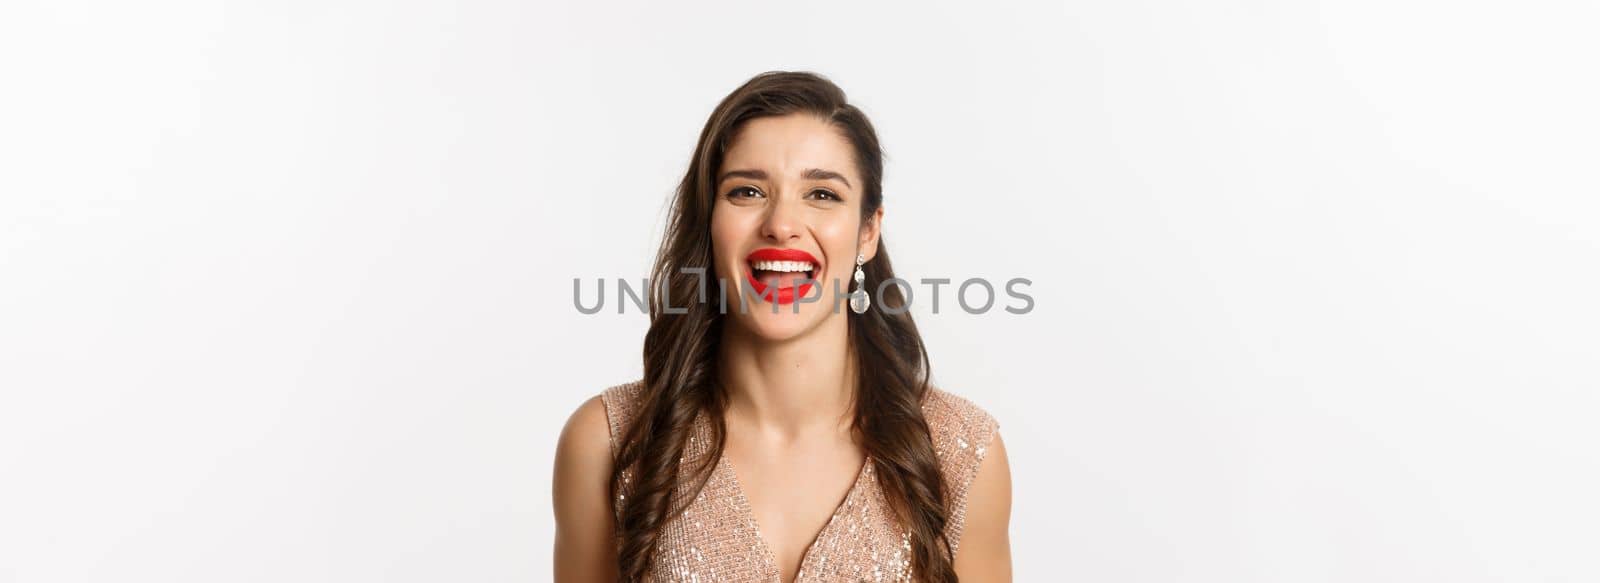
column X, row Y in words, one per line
column 790, row 144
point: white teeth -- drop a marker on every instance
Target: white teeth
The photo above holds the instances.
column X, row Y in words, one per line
column 792, row 266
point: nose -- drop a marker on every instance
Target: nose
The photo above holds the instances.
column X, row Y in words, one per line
column 782, row 222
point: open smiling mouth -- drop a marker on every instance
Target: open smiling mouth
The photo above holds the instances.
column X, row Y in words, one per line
column 781, row 269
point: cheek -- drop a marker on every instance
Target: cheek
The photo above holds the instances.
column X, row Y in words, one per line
column 728, row 234
column 839, row 239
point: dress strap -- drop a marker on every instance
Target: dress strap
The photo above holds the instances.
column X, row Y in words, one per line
column 622, row 404
column 962, row 432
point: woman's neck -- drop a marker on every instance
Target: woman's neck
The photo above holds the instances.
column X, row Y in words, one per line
column 790, row 388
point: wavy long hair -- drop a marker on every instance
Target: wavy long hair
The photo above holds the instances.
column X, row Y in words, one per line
column 680, row 349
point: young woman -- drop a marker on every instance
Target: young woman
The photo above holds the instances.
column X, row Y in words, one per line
column 778, row 435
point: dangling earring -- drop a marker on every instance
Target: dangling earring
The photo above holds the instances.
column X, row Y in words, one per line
column 859, row 300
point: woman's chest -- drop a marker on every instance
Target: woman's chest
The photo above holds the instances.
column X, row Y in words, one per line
column 718, row 538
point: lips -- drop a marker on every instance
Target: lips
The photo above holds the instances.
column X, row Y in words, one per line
column 783, row 268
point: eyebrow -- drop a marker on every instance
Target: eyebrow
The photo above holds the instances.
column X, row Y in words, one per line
column 810, row 173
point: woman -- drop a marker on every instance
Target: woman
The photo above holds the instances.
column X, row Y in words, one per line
column 775, row 436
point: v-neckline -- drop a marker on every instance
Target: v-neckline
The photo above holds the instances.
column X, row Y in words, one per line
column 771, row 558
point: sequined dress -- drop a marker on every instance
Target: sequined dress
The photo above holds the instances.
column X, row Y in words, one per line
column 716, row 538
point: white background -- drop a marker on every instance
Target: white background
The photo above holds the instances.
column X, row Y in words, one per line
column 286, row 287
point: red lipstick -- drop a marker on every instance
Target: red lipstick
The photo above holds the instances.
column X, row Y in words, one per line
column 784, row 294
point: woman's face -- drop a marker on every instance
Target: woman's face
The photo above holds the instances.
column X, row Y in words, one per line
column 788, row 208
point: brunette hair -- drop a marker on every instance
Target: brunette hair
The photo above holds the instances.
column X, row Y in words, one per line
column 680, row 349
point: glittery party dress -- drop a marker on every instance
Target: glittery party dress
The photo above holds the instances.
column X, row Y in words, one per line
column 716, row 537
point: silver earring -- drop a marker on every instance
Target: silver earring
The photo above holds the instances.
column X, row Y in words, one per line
column 859, row 300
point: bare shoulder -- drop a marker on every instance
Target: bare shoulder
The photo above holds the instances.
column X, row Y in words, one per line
column 584, row 549
column 583, row 463
column 591, row 430
column 586, row 437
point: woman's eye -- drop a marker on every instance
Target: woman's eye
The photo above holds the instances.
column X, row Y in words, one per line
column 824, row 195
column 744, row 192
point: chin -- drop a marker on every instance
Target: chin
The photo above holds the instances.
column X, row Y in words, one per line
column 784, row 325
